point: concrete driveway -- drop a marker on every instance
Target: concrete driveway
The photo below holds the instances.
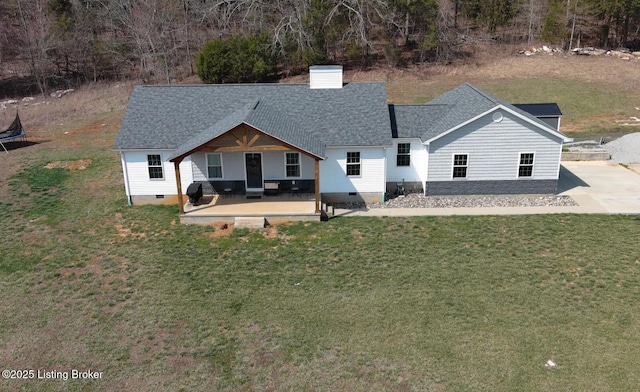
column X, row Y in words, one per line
column 601, row 187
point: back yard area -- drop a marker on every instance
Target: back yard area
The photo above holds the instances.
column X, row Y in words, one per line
column 354, row 304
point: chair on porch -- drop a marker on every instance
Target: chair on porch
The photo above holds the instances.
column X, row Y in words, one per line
column 295, row 189
column 271, row 187
column 228, row 189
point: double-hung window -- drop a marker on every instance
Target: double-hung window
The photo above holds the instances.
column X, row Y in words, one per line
column 292, row 164
column 525, row 168
column 460, row 165
column 214, row 166
column 154, row 164
column 353, row 163
column 404, row 154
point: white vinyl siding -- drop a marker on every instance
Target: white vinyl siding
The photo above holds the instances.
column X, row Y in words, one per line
column 416, row 171
column 233, row 168
column 138, row 180
column 333, row 169
column 494, row 150
column 273, row 166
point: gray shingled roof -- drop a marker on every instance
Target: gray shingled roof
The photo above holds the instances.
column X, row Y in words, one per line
column 225, row 124
column 176, row 117
column 183, row 117
column 411, row 121
column 462, row 104
column 273, row 122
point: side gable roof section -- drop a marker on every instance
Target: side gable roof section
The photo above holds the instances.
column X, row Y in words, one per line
column 468, row 103
column 265, row 119
column 410, row 121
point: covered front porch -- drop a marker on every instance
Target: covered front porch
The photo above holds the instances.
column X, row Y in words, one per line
column 255, row 162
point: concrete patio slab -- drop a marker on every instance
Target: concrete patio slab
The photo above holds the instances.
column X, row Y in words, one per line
column 269, row 209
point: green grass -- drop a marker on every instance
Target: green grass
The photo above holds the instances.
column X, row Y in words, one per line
column 589, row 106
column 358, row 304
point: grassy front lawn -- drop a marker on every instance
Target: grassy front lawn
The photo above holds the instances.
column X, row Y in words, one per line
column 354, row 304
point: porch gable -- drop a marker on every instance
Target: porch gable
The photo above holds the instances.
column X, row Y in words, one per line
column 255, row 127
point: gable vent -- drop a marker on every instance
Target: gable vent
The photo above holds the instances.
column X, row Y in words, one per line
column 325, row 76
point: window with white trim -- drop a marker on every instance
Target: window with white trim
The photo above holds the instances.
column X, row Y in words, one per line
column 154, row 164
column 353, row 163
column 214, row 166
column 525, row 168
column 460, row 165
column 292, row 164
column 404, row 154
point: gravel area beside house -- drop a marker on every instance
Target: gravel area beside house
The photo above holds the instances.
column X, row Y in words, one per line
column 416, row 200
column 625, row 149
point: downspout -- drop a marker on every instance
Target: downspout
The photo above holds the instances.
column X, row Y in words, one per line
column 317, row 184
column 384, row 173
column 126, row 178
column 426, row 177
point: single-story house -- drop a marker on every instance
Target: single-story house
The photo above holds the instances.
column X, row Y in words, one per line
column 338, row 141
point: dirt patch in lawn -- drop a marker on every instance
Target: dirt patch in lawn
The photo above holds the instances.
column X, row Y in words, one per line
column 80, row 164
column 222, row 230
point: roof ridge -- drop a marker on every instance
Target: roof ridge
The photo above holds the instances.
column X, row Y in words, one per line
column 492, row 98
column 205, row 85
column 201, row 85
column 535, row 103
column 421, row 104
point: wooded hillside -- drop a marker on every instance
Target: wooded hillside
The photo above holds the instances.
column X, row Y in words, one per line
column 55, row 43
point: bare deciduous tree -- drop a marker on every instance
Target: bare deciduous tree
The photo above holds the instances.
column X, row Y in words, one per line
column 65, row 41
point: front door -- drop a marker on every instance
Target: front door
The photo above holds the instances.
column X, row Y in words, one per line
column 253, row 165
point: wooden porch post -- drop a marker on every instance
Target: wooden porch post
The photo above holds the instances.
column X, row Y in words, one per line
column 317, row 185
column 176, row 165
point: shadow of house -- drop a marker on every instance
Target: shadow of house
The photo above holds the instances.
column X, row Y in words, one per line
column 568, row 180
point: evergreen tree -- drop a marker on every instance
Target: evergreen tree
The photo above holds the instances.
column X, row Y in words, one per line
column 554, row 29
column 236, row 60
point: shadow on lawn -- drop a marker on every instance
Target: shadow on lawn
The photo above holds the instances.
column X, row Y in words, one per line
column 15, row 145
